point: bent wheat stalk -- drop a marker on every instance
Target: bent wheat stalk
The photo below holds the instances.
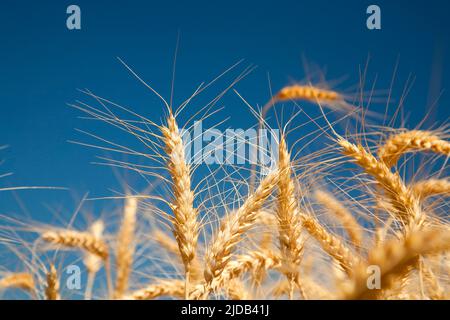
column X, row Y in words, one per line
column 184, row 222
column 414, row 140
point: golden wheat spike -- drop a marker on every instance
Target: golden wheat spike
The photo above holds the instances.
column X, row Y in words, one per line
column 289, row 225
column 52, row 288
column 331, row 244
column 414, row 140
column 84, row 241
column 234, row 226
column 311, row 93
column 24, row 281
column 256, row 262
column 185, row 224
column 170, row 288
column 80, row 240
column 406, row 205
column 348, row 221
column 431, row 187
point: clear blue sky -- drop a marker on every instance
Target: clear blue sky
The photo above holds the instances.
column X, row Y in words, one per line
column 42, row 64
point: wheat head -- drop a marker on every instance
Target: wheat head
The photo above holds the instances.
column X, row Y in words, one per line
column 418, row 140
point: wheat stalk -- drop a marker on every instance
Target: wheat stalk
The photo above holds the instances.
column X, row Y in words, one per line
column 125, row 247
column 348, row 221
column 185, row 224
column 404, row 142
column 52, row 288
column 233, row 227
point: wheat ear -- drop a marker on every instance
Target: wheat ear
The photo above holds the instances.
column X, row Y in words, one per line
column 331, row 244
column 84, row 241
column 80, row 240
column 125, row 247
column 406, row 205
column 170, row 288
column 393, row 258
column 24, row 281
column 399, row 144
column 348, row 221
column 52, row 288
column 310, row 93
column 427, row 188
column 185, row 224
column 233, row 227
column 256, row 262
column 289, row 226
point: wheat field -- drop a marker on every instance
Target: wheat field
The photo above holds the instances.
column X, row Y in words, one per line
column 365, row 216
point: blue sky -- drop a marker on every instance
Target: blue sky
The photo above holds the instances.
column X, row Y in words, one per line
column 43, row 64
